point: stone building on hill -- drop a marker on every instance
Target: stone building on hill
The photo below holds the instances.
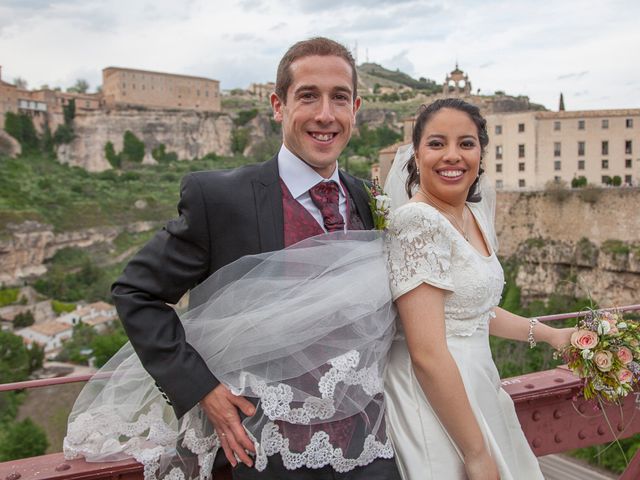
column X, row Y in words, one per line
column 131, row 87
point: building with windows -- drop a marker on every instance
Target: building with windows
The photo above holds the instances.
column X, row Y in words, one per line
column 131, row 87
column 529, row 149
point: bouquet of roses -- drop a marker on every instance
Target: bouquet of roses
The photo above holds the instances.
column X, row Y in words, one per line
column 605, row 352
column 379, row 204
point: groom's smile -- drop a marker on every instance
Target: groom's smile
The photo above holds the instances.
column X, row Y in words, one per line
column 319, row 111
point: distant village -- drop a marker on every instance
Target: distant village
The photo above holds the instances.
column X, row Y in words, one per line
column 529, row 145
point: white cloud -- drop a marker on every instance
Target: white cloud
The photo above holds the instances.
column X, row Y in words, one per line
column 523, row 47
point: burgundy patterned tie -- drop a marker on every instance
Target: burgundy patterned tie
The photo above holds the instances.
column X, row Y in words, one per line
column 325, row 196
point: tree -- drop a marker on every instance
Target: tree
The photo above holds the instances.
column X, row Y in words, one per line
column 106, row 345
column 14, row 358
column 20, row 83
column 22, row 440
column 616, row 181
column 81, row 86
column 20, row 127
column 132, row 148
column 69, row 111
column 112, row 157
column 23, row 319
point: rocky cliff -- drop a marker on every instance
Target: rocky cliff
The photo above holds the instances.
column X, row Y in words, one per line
column 579, row 243
column 24, row 253
column 188, row 134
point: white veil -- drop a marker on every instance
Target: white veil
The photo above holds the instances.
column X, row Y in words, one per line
column 305, row 331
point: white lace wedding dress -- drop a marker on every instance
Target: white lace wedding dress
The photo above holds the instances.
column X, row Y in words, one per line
column 423, row 246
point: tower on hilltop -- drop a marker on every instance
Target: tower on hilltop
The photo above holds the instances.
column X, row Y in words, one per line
column 457, row 83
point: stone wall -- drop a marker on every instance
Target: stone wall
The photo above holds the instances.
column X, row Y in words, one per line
column 189, row 134
column 564, row 244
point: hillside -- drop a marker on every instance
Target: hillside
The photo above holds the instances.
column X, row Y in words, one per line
column 371, row 74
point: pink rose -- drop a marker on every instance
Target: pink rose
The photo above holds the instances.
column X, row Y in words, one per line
column 625, row 355
column 603, row 360
column 584, row 339
column 625, row 375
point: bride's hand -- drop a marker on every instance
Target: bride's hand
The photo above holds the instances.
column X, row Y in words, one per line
column 481, row 467
column 561, row 337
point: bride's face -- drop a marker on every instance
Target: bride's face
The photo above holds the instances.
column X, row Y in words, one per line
column 448, row 156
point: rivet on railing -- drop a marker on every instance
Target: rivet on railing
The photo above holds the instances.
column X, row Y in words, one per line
column 557, row 414
column 536, row 416
column 536, row 443
column 62, row 467
column 601, row 430
column 620, row 427
column 557, row 438
column 582, row 435
column 529, row 386
column 558, row 380
column 13, row 476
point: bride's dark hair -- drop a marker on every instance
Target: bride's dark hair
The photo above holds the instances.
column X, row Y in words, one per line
column 424, row 115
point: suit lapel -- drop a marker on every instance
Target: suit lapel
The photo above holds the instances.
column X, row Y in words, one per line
column 268, row 204
column 360, row 198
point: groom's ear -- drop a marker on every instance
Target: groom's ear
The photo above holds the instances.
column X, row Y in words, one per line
column 276, row 105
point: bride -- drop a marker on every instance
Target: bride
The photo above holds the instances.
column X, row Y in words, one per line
column 447, row 413
column 265, row 329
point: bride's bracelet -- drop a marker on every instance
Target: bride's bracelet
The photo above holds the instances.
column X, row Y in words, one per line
column 531, row 339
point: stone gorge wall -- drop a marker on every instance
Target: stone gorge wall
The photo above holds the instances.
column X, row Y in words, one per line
column 189, row 134
column 565, row 245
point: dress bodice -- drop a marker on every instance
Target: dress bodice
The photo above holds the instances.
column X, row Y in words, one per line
column 423, row 246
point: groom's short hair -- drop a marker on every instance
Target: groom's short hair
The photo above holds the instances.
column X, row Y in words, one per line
column 306, row 48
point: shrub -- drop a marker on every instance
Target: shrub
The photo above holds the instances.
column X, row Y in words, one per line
column 557, row 190
column 62, row 307
column 9, row 296
column 64, row 134
column 20, row 127
column 112, row 157
column 245, row 116
column 239, row 140
column 23, row 319
column 132, row 148
column 616, row 181
column 22, row 440
column 579, row 182
column 160, row 154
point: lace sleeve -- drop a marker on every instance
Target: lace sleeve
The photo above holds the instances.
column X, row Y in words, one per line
column 419, row 249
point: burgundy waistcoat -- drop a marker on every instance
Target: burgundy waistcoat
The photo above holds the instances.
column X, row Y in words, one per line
column 299, row 224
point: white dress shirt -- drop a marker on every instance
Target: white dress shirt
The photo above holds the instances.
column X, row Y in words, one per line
column 300, row 177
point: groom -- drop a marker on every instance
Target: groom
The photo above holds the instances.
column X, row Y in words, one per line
column 225, row 215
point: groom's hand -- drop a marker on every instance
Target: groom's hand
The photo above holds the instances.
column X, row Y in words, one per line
column 221, row 406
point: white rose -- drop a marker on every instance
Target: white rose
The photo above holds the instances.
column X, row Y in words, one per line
column 383, row 202
column 622, row 326
column 587, row 354
column 604, row 327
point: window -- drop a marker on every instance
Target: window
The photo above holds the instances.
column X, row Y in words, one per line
column 605, row 123
column 498, row 184
column 521, row 167
column 628, row 123
column 520, row 127
column 556, row 165
column 556, row 126
column 605, row 147
column 605, row 164
column 628, row 180
column 498, row 152
column 498, row 129
column 580, row 148
column 580, row 124
column 521, row 183
column 521, row 151
column 628, row 147
column 606, row 179
column 498, row 168
column 556, row 149
column 557, row 178
column 580, row 164
column 628, row 163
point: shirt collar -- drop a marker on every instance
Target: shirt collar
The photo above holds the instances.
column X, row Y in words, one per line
column 300, row 177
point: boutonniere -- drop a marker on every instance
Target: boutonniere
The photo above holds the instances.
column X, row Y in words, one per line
column 379, row 204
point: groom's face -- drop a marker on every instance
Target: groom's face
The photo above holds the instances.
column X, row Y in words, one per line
column 319, row 111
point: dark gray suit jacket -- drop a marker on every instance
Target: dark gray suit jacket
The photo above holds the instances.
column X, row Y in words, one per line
column 223, row 215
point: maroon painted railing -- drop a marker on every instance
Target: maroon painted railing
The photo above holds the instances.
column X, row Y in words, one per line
column 553, row 419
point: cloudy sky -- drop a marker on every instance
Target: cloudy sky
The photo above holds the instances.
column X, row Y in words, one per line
column 586, row 49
